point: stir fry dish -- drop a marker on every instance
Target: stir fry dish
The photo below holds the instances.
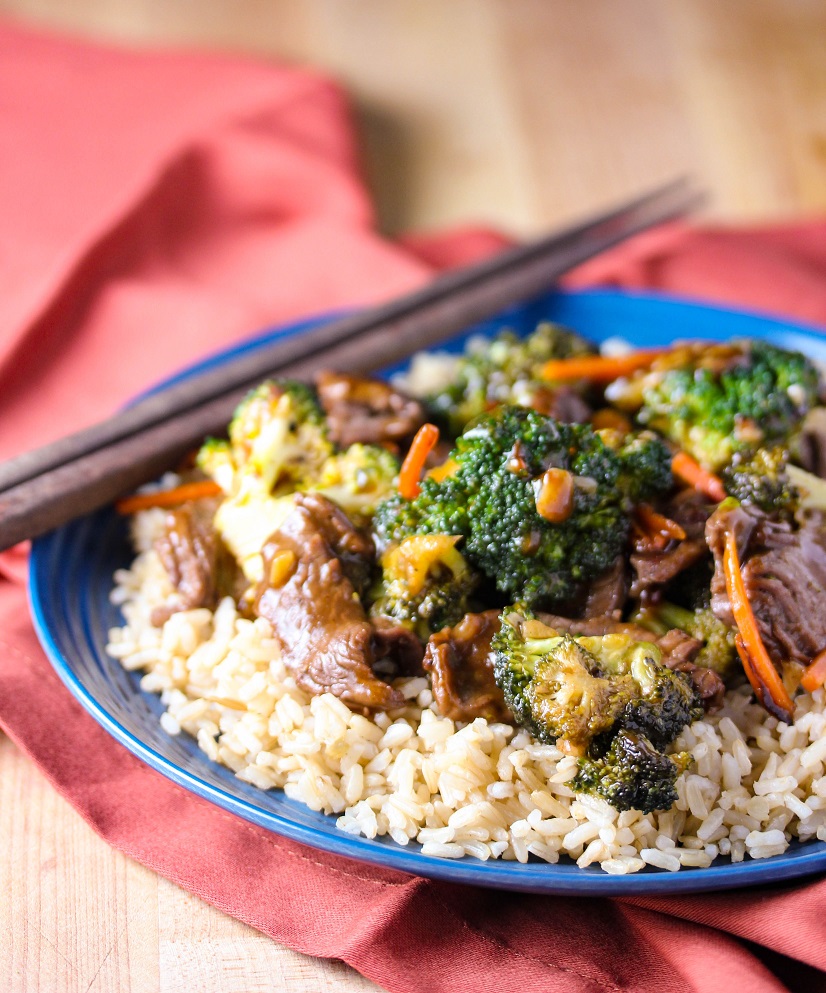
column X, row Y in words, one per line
column 532, row 600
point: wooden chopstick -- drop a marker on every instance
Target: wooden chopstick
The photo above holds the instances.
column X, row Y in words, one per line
column 46, row 487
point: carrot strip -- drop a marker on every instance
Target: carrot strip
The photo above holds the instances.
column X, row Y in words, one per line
column 600, row 368
column 815, row 675
column 759, row 668
column 411, row 470
column 690, row 471
column 758, row 687
column 168, row 498
column 651, row 522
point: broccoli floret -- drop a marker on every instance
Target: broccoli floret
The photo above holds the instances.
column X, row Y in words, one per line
column 761, row 478
column 425, row 584
column 608, row 699
column 553, row 686
column 715, row 400
column 667, row 700
column 645, row 470
column 277, row 441
column 811, row 489
column 538, row 503
column 632, row 774
column 502, row 371
column 216, row 461
column 357, row 479
column 718, row 651
column 279, row 434
column 580, row 689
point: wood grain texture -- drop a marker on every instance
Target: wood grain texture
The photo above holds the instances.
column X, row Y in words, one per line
column 517, row 113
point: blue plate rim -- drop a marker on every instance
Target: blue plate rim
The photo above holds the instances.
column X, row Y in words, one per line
column 536, row 877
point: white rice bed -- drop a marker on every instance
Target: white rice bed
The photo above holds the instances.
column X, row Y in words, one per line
column 482, row 789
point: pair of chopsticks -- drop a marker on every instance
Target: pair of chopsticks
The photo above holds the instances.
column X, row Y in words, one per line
column 42, row 489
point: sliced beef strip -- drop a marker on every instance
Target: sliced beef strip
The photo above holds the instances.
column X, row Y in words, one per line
column 366, row 410
column 594, row 626
column 198, row 565
column 326, row 640
column 812, row 444
column 354, row 549
column 461, row 669
column 607, row 594
column 690, row 509
column 678, row 647
column 654, row 568
column 399, row 645
column 679, row 651
column 708, row 684
column 784, row 572
column 563, row 403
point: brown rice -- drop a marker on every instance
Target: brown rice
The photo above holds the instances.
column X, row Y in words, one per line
column 481, row 789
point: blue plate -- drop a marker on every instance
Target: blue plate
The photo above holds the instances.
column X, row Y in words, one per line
column 71, row 577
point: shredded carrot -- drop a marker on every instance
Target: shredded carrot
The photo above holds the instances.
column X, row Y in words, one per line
column 411, row 470
column 650, row 522
column 759, row 668
column 815, row 675
column 168, row 498
column 690, row 471
column 600, row 368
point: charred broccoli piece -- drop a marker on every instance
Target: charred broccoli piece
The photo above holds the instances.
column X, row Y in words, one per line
column 718, row 651
column 425, row 584
column 715, row 400
column 502, row 371
column 553, row 686
column 607, row 698
column 667, row 700
column 761, row 478
column 543, row 507
column 579, row 688
column 632, row 774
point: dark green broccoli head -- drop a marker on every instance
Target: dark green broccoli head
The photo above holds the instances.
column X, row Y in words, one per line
column 502, row 371
column 553, row 686
column 667, row 700
column 425, row 584
column 645, row 470
column 581, row 689
column 761, row 478
column 632, row 774
column 539, row 504
column 715, row 400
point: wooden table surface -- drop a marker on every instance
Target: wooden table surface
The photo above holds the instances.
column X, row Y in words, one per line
column 519, row 113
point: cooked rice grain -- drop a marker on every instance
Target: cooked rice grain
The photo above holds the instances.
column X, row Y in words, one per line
column 481, row 790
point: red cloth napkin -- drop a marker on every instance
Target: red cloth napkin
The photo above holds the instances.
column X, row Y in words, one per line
column 154, row 207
